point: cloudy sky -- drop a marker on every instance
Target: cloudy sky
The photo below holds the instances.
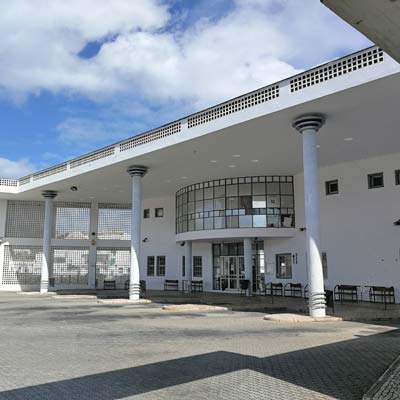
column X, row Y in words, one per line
column 79, row 74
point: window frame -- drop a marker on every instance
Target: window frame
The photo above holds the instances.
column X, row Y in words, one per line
column 397, row 177
column 198, row 267
column 157, row 210
column 183, row 266
column 277, row 272
column 375, row 175
column 148, row 266
column 160, row 269
column 328, row 191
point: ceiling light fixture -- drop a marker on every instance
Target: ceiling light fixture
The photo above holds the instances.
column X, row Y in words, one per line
column 213, row 161
column 236, row 155
column 232, row 166
column 184, row 177
column 348, row 139
column 254, row 161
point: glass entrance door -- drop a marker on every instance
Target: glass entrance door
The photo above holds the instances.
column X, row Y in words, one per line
column 232, row 271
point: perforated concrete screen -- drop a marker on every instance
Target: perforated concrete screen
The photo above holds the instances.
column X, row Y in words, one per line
column 72, row 220
column 112, row 264
column 25, row 219
column 22, row 265
column 69, row 266
column 114, row 221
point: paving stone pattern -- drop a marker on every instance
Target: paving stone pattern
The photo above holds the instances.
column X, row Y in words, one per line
column 80, row 349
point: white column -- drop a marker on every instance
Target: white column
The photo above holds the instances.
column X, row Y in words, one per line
column 94, row 212
column 308, row 126
column 49, row 196
column 136, row 172
column 188, row 260
column 248, row 263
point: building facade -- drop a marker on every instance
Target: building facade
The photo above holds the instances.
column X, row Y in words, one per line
column 227, row 194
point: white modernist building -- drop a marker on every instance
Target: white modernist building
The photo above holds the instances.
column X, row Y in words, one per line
column 297, row 182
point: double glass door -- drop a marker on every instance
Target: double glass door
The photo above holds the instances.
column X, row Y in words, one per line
column 232, row 272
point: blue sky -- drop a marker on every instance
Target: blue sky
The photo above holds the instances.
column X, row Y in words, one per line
column 78, row 75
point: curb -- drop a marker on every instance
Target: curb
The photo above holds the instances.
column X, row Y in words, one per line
column 383, row 381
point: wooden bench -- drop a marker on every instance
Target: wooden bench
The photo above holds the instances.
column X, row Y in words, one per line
column 109, row 285
column 293, row 290
column 171, row 284
column 197, row 286
column 345, row 293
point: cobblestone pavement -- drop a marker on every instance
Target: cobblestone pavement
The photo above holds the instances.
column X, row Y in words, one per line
column 79, row 349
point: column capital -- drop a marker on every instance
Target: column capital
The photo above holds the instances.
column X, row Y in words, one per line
column 49, row 194
column 137, row 170
column 308, row 121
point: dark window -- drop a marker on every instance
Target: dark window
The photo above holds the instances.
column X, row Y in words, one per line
column 375, row 180
column 397, row 176
column 183, row 266
column 197, row 266
column 284, row 266
column 161, row 265
column 150, row 266
column 324, row 260
column 146, row 213
column 159, row 212
column 332, row 187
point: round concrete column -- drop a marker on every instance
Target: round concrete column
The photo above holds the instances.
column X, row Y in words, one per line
column 136, row 172
column 188, row 260
column 248, row 263
column 308, row 126
column 49, row 196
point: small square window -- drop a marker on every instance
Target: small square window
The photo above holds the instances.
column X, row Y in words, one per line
column 284, row 266
column 397, row 176
column 160, row 265
column 146, row 213
column 375, row 180
column 150, row 266
column 332, row 187
column 159, row 212
column 197, row 266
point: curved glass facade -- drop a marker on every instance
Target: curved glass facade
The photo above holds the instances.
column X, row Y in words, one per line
column 246, row 202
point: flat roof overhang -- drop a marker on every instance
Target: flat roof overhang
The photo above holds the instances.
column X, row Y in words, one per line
column 378, row 20
column 363, row 106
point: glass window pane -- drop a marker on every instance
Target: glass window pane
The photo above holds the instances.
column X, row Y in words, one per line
column 208, row 193
column 273, row 188
column 232, row 222
column 286, row 188
column 231, row 190
column 191, row 225
column 232, row 202
column 244, row 189
column 199, row 224
column 208, row 223
column 259, row 221
column 199, row 206
column 208, row 205
column 259, row 202
column 287, row 201
column 245, row 202
column 258, row 188
column 219, row 191
column 219, row 222
column 199, row 194
column 219, row 204
column 274, row 221
column 245, row 221
column 190, row 208
column 273, row 201
column 191, row 196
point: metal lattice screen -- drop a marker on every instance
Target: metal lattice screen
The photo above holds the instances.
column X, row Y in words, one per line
column 25, row 219
column 22, row 265
column 112, row 264
column 72, row 220
column 69, row 265
column 114, row 221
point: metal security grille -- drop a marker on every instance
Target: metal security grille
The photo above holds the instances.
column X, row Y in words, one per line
column 72, row 220
column 25, row 219
column 22, row 265
column 114, row 221
column 112, row 264
column 341, row 67
column 69, row 266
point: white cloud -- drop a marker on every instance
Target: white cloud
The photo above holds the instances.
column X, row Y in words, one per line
column 15, row 169
column 257, row 42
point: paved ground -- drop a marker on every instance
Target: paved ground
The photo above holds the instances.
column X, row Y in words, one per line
column 79, row 349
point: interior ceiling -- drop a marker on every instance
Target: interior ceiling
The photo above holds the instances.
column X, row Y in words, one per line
column 376, row 19
column 368, row 113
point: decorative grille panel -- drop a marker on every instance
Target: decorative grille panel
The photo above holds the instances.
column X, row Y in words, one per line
column 108, row 151
column 25, row 219
column 241, row 103
column 72, row 220
column 341, row 67
column 69, row 265
column 8, row 182
column 112, row 264
column 24, row 181
column 160, row 133
column 22, row 265
column 50, row 171
column 114, row 221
